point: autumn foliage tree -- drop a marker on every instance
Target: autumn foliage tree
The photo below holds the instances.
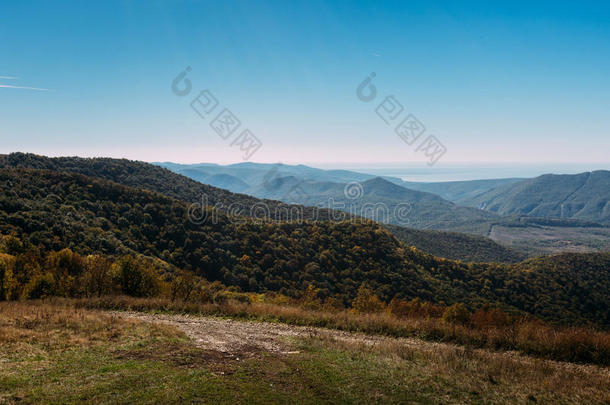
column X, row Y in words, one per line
column 456, row 314
column 97, row 280
column 366, row 301
column 7, row 278
column 183, row 286
column 135, row 279
column 487, row 317
column 65, row 266
column 311, row 299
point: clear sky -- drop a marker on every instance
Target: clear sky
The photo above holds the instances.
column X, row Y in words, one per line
column 515, row 81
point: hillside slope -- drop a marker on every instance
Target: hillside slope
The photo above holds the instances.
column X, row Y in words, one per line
column 153, row 178
column 457, row 191
column 53, row 210
column 257, row 174
column 584, row 196
column 455, row 245
column 377, row 199
column 326, row 188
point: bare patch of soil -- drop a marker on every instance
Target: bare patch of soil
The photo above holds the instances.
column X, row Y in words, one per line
column 235, row 339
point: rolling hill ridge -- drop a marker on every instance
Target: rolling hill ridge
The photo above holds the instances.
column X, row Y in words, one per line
column 52, row 210
column 157, row 179
column 584, row 196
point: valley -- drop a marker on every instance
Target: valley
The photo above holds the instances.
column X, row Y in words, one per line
column 453, row 206
column 549, row 240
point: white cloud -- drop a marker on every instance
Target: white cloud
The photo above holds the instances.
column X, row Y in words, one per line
column 9, row 86
column 6, row 86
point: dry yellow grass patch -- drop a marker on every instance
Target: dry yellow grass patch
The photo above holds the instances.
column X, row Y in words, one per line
column 531, row 337
column 31, row 326
column 495, row 374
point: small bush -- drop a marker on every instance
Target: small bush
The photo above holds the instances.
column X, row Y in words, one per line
column 366, row 301
column 134, row 279
column 40, row 286
column 456, row 313
column 310, row 298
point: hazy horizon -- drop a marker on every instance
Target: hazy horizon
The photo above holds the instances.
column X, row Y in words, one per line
column 442, row 172
column 599, row 165
column 412, row 171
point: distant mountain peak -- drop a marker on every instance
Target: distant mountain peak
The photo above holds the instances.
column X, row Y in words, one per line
column 381, row 186
column 380, row 181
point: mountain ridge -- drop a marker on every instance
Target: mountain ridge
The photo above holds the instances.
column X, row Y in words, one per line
column 54, row 210
column 584, row 196
column 157, row 179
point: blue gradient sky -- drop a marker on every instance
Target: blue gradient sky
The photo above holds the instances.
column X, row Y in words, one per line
column 511, row 82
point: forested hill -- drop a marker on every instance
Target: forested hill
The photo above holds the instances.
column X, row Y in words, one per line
column 584, row 196
column 455, row 245
column 425, row 210
column 52, row 210
column 154, row 178
column 157, row 179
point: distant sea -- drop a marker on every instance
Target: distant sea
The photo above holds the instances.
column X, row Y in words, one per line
column 461, row 172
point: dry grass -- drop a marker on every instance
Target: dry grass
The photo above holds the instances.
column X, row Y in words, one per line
column 61, row 352
column 528, row 337
column 36, row 325
column 495, row 375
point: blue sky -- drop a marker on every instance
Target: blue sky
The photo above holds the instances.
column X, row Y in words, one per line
column 494, row 82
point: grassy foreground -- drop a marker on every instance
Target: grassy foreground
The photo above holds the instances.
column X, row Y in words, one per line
column 57, row 353
column 530, row 337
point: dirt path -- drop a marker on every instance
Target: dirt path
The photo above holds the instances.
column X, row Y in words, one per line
column 233, row 336
column 247, row 338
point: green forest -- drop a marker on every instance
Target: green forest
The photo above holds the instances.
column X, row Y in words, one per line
column 43, row 212
column 146, row 176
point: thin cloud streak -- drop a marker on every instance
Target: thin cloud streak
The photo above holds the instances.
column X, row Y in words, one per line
column 9, row 77
column 6, row 86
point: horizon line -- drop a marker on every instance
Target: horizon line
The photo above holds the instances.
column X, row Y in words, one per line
column 391, row 164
